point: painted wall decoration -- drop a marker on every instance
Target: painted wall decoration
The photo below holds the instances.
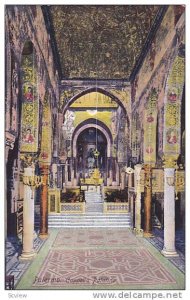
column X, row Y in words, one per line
column 157, row 57
column 172, row 107
column 94, row 99
column 66, row 95
column 46, row 140
column 68, row 125
column 123, row 94
column 100, row 41
column 103, row 116
column 30, row 105
column 150, row 120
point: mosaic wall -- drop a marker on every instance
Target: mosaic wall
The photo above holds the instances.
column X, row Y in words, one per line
column 30, row 105
column 94, row 99
column 104, row 116
column 172, row 107
column 100, row 41
column 46, row 140
column 104, row 109
column 150, row 120
column 158, row 48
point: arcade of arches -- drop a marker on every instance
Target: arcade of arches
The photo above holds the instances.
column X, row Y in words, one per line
column 95, row 132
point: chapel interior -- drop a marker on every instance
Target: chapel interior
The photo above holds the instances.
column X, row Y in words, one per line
column 94, row 134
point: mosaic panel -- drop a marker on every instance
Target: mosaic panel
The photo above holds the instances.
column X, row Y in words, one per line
column 101, row 267
column 150, row 128
column 45, row 155
column 94, row 237
column 30, row 105
column 172, row 108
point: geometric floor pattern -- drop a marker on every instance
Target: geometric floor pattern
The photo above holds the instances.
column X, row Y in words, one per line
column 99, row 258
column 97, row 267
column 94, row 237
column 13, row 250
column 158, row 242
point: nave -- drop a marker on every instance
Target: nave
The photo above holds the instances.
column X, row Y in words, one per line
column 100, row 258
column 95, row 146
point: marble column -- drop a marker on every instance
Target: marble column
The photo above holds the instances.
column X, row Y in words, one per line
column 117, row 173
column 169, row 213
column 122, row 180
column 44, row 203
column 66, row 173
column 130, row 180
column 131, row 206
column 138, row 228
column 28, row 215
column 74, row 176
column 110, row 173
column 147, row 200
column 54, row 171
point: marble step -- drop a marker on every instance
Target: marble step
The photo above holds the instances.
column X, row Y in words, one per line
column 91, row 220
column 89, row 216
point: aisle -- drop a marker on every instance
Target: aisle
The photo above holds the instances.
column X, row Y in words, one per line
column 99, row 258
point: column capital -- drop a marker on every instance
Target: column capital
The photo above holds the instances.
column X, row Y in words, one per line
column 28, row 159
column 169, row 161
column 45, row 168
column 147, row 167
column 147, row 173
column 138, row 169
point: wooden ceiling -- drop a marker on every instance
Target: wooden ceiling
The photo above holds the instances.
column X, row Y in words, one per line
column 101, row 41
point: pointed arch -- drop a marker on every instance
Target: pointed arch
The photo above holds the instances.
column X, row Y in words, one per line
column 101, row 91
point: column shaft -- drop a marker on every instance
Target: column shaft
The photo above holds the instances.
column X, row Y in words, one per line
column 138, row 199
column 169, row 213
column 28, row 217
column 122, row 180
column 148, row 201
column 44, row 204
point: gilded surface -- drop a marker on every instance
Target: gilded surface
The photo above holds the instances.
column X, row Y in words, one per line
column 150, row 121
column 169, row 161
column 172, row 106
column 100, row 41
column 45, row 155
column 103, row 116
column 30, row 105
column 158, row 179
column 180, row 180
column 178, row 71
column 172, row 114
column 94, row 100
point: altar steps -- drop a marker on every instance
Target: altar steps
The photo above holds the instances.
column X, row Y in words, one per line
column 89, row 220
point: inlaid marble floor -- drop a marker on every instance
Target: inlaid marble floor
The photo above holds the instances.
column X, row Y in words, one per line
column 99, row 258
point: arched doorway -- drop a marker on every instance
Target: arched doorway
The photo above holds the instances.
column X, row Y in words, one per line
column 88, row 141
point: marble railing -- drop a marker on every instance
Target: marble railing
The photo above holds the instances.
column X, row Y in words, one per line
column 112, row 207
column 74, row 208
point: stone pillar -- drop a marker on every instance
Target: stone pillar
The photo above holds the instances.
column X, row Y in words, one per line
column 28, row 215
column 169, row 213
column 147, row 200
column 44, row 203
column 138, row 228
